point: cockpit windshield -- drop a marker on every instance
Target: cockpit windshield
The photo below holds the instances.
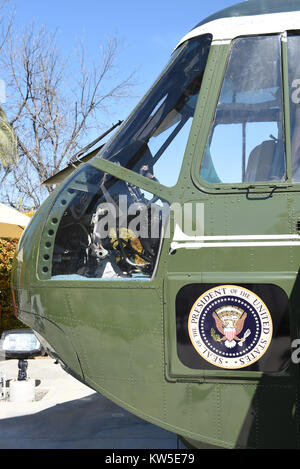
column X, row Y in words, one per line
column 153, row 140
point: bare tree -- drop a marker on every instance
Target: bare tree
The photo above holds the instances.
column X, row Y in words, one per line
column 52, row 107
column 8, row 142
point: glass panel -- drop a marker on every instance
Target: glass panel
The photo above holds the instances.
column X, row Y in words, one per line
column 153, row 141
column 109, row 230
column 246, row 141
column 294, row 84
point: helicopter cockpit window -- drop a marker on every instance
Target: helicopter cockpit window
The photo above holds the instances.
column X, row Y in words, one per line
column 294, row 84
column 108, row 229
column 152, row 142
column 246, row 142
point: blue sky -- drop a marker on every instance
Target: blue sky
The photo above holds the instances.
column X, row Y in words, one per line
column 150, row 30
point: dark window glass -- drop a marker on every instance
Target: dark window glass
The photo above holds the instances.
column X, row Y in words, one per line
column 152, row 142
column 246, row 142
column 109, row 229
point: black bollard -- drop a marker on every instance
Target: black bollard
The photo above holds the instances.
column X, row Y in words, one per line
column 22, row 365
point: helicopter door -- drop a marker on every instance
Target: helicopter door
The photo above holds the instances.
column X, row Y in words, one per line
column 230, row 300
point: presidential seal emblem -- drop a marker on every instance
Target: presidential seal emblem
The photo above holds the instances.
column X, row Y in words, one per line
column 230, row 327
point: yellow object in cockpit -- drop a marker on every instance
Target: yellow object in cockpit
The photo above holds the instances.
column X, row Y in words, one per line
column 127, row 236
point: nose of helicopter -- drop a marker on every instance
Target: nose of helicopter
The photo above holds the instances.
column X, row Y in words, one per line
column 24, row 271
column 35, row 302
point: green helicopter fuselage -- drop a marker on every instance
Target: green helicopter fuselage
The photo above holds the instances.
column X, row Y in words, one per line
column 163, row 272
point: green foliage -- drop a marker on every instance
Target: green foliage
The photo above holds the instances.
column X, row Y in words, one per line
column 7, row 318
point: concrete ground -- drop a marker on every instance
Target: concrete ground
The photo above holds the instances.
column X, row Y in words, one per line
column 70, row 415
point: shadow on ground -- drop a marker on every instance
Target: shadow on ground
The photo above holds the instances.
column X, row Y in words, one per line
column 88, row 423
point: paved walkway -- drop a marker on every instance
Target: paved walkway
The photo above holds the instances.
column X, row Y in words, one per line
column 70, row 415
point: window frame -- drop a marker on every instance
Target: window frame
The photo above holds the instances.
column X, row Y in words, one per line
column 175, row 53
column 62, row 199
column 246, row 187
column 290, row 33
